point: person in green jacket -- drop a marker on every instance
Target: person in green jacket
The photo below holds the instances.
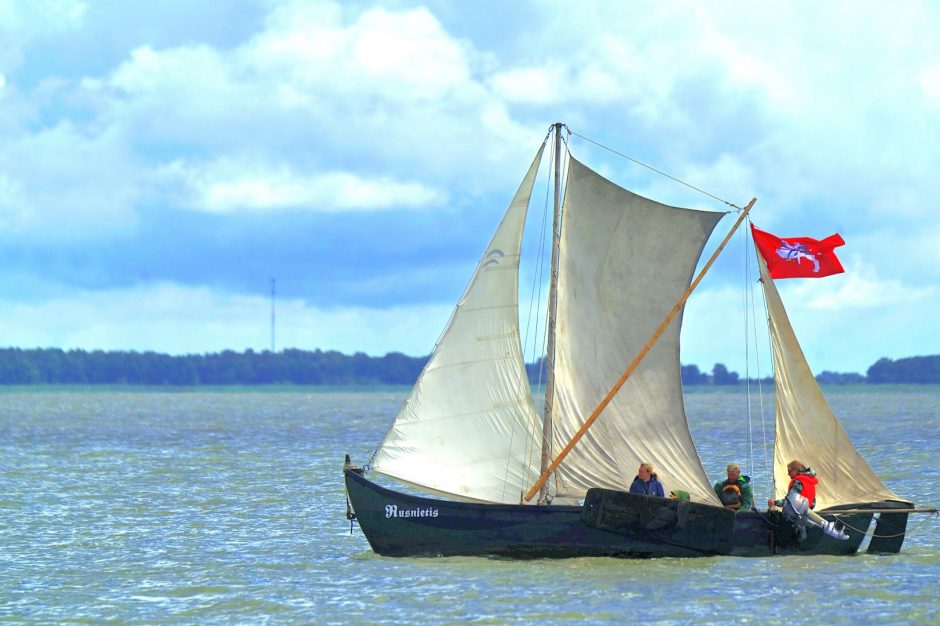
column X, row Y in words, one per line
column 735, row 492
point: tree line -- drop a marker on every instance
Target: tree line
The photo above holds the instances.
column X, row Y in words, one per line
column 299, row 367
column 910, row 370
column 302, row 367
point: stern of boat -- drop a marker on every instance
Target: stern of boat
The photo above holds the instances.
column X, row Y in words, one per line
column 890, row 528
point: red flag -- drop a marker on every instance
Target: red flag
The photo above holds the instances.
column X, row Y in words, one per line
column 798, row 257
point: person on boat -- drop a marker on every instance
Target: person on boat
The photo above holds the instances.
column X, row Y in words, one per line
column 735, row 493
column 646, row 483
column 800, row 500
column 803, row 480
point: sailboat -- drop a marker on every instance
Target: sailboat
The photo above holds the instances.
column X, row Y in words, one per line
column 500, row 479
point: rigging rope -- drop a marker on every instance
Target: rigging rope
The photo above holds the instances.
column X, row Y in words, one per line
column 536, row 300
column 751, row 322
column 653, row 169
column 874, row 534
column 768, row 471
column 747, row 358
column 861, row 531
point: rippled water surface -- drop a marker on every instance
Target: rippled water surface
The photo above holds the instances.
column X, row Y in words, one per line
column 227, row 507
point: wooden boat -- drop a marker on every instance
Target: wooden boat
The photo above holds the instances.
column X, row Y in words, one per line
column 507, row 481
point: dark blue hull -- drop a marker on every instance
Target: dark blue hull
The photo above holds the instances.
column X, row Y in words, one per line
column 610, row 523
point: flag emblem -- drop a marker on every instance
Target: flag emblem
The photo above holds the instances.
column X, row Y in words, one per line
column 798, row 251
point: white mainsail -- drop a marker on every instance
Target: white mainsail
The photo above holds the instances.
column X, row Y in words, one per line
column 625, row 261
column 469, row 428
column 806, row 429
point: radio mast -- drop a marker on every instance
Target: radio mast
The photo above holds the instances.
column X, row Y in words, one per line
column 272, row 314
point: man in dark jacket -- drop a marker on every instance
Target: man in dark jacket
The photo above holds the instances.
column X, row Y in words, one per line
column 735, row 492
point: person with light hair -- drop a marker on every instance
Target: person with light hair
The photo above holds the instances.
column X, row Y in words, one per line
column 735, row 492
column 646, row 483
column 800, row 499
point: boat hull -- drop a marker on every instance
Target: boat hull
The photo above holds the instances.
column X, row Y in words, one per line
column 766, row 533
column 610, row 523
column 397, row 524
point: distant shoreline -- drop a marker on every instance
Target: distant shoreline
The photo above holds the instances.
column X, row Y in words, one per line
column 332, row 369
column 833, row 389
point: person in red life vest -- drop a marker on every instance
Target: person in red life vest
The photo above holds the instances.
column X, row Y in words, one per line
column 807, row 480
column 800, row 499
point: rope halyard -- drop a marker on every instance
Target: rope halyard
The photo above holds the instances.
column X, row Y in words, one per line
column 750, row 321
column 653, row 169
column 535, row 300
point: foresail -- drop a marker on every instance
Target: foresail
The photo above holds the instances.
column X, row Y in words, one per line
column 469, row 428
column 806, row 429
column 625, row 262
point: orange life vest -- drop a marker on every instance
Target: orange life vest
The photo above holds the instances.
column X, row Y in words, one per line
column 731, row 496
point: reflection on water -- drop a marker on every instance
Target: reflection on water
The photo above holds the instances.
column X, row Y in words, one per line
column 227, row 507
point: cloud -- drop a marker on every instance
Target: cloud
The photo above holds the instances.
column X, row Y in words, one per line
column 557, row 83
column 844, row 323
column 178, row 319
column 402, row 55
column 376, row 110
column 805, row 104
column 22, row 22
column 40, row 17
column 342, row 89
column 930, row 84
column 85, row 189
column 229, row 186
column 320, row 80
column 861, row 289
column 205, row 139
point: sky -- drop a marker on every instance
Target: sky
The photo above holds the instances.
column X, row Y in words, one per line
column 162, row 162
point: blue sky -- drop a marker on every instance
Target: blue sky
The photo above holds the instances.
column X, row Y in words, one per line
column 160, row 162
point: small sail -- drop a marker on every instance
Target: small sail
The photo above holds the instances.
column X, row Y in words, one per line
column 806, row 429
column 469, row 428
column 625, row 262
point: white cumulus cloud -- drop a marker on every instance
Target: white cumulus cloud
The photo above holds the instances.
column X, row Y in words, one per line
column 179, row 319
column 230, row 185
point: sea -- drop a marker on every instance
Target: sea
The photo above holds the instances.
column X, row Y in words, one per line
column 226, row 506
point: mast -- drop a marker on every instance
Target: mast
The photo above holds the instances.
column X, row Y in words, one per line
column 552, row 309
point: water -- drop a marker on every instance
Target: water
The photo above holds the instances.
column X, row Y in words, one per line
column 227, row 507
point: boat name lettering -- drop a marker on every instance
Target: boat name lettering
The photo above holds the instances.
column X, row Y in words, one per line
column 392, row 510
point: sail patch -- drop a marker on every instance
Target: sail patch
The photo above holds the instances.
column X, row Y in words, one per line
column 492, row 257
